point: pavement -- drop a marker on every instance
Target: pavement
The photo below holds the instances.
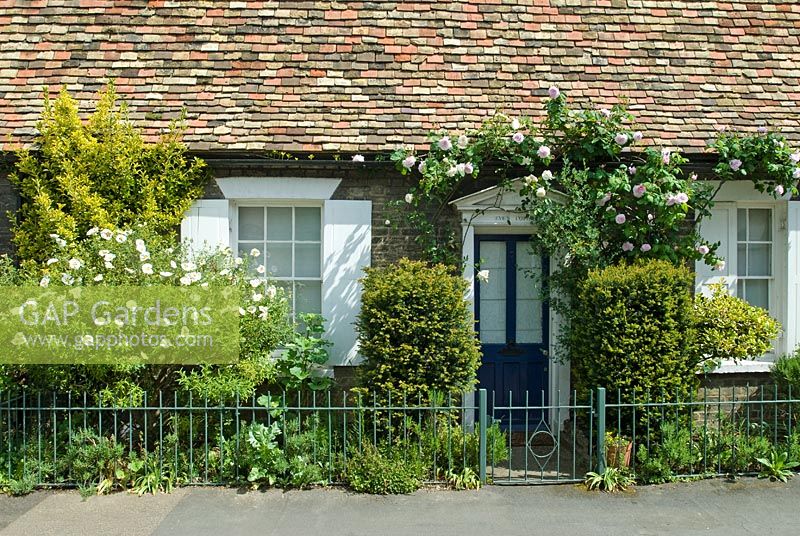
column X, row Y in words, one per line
column 710, row 507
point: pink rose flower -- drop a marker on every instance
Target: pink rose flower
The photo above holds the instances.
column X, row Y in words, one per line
column 554, row 92
column 735, row 164
column 702, row 249
column 445, row 144
column 796, row 173
column 627, row 246
column 639, row 190
column 762, row 130
column 358, row 158
column 779, row 189
column 469, row 168
column 543, row 152
column 518, row 137
column 621, row 138
column 637, row 136
column 620, row 218
column 603, row 200
column 645, row 248
column 795, row 157
column 682, row 197
column 632, row 170
column 666, row 154
column 409, row 161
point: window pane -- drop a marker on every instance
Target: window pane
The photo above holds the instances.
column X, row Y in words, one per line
column 492, row 322
column 740, row 289
column 279, row 223
column 741, row 259
column 307, row 260
column 253, row 262
column 529, row 295
column 309, row 296
column 758, row 259
column 760, row 224
column 757, row 292
column 307, row 224
column 251, row 223
column 279, row 260
column 741, row 225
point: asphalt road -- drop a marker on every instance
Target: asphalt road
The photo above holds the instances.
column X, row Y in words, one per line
column 712, row 507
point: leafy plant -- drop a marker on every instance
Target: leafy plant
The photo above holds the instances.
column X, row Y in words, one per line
column 415, row 331
column 305, row 353
column 97, row 463
column 777, row 466
column 786, row 372
column 611, row 479
column 383, row 472
column 150, row 475
column 465, row 479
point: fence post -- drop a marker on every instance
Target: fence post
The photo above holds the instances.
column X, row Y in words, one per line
column 601, row 429
column 482, row 441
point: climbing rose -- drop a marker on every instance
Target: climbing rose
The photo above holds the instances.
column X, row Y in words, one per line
column 554, row 92
column 682, row 197
column 605, row 199
column 543, row 152
column 518, row 137
column 639, row 190
column 358, row 158
column 606, row 112
column 762, row 130
column 621, row 138
column 547, row 175
column 665, row 156
column 541, row 192
column 515, row 124
column 627, row 246
column 469, row 168
column 422, row 167
column 795, row 157
column 482, row 276
column 632, row 170
column 409, row 161
column 461, row 168
column 702, row 249
column 620, row 218
column 637, row 136
column 779, row 189
column 720, row 265
column 463, row 141
column 409, row 198
column 735, row 164
column 445, row 144
column 645, row 248
column 796, row 173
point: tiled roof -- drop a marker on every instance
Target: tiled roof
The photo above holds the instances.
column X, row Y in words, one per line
column 315, row 75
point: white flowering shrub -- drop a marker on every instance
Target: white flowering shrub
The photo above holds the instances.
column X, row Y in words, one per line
column 139, row 257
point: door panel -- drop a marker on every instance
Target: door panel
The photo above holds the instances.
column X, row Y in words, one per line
column 512, row 324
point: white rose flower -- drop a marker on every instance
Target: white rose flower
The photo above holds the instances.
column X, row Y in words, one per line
column 121, row 238
column 238, row 261
column 258, row 297
column 409, row 198
column 106, row 234
column 255, row 282
column 272, row 291
column 195, row 276
column 261, row 269
column 44, row 281
column 173, row 265
column 264, row 312
column 67, row 279
column 483, row 276
column 541, row 192
column 140, row 247
column 204, row 284
column 185, row 281
column 188, row 266
column 147, row 269
column 98, row 277
column 255, row 252
column 144, row 256
column 75, row 264
column 224, row 271
column 92, row 231
column 547, row 175
column 165, row 274
column 108, row 265
column 242, row 312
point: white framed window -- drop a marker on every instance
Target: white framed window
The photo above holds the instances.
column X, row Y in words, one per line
column 289, row 240
column 754, row 255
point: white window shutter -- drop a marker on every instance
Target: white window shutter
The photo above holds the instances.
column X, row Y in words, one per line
column 792, row 328
column 720, row 227
column 347, row 250
column 206, row 224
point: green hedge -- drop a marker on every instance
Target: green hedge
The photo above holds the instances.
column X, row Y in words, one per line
column 633, row 330
column 415, row 330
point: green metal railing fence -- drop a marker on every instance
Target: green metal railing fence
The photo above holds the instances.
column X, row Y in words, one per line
column 502, row 439
column 203, row 442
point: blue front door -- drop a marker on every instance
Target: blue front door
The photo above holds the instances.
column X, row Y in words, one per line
column 513, row 327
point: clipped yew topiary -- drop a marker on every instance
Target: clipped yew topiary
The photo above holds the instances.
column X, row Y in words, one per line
column 415, row 330
column 633, row 330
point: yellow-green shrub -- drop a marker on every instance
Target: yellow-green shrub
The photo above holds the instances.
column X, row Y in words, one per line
column 98, row 173
column 730, row 328
column 415, row 330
